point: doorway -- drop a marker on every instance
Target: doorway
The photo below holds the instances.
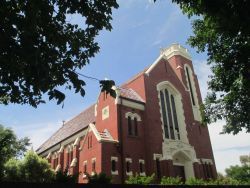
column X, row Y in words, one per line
column 179, row 171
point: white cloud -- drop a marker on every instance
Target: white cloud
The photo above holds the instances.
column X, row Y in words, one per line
column 38, row 133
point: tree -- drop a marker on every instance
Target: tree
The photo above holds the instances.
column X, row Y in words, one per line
column 222, row 29
column 31, row 168
column 41, row 51
column 10, row 146
column 240, row 173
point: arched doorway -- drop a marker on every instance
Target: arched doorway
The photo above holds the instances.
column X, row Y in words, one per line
column 183, row 166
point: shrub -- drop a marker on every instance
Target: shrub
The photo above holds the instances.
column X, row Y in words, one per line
column 194, row 181
column 64, row 177
column 141, row 180
column 171, row 181
column 100, row 178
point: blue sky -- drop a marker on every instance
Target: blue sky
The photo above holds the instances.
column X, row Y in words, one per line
column 140, row 29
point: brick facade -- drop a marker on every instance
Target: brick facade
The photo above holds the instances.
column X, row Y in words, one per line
column 126, row 135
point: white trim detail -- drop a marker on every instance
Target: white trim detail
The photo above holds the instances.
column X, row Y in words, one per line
column 58, row 167
column 175, row 49
column 114, row 159
column 77, row 140
column 130, row 173
column 133, row 116
column 105, row 112
column 167, row 53
column 73, row 163
column 128, row 160
column 98, row 136
column 61, row 149
column 157, row 156
column 142, row 161
column 48, row 156
column 131, row 104
column 195, row 108
column 95, row 110
column 207, row 161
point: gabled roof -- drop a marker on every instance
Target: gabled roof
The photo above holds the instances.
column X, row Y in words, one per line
column 130, row 94
column 71, row 127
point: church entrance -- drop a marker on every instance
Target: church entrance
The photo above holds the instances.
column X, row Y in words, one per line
column 179, row 171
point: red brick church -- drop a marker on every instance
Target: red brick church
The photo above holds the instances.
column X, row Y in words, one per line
column 152, row 126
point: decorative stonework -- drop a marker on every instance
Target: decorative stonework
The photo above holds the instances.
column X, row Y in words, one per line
column 133, row 116
column 175, row 49
column 105, row 112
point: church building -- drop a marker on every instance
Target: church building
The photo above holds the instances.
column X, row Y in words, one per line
column 152, row 126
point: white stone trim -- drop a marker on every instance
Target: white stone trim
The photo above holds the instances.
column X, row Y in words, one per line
column 61, row 149
column 154, row 64
column 195, row 108
column 157, row 156
column 105, row 112
column 131, row 104
column 142, row 161
column 97, row 135
column 167, row 53
column 175, row 49
column 58, row 167
column 207, row 161
column 114, row 172
column 95, row 110
column 130, row 173
column 48, row 156
column 128, row 160
column 73, row 162
column 142, row 174
column 77, row 140
column 133, row 116
column 114, row 159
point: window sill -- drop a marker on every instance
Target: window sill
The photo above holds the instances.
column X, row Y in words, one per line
column 129, row 173
column 114, row 172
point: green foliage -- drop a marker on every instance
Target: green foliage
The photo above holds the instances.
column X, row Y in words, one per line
column 194, row 181
column 239, row 173
column 12, row 171
column 100, row 178
column 222, row 29
column 225, row 181
column 171, row 181
column 30, row 169
column 64, row 177
column 10, row 146
column 40, row 50
column 141, row 180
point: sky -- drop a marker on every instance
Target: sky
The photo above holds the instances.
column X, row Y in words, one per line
column 140, row 29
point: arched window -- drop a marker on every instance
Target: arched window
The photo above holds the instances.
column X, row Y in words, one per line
column 169, row 115
column 133, row 119
column 192, row 91
column 190, row 86
column 129, row 126
column 135, row 127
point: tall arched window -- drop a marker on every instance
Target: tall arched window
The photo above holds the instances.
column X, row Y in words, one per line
column 129, row 126
column 190, row 86
column 192, row 91
column 133, row 119
column 169, row 115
